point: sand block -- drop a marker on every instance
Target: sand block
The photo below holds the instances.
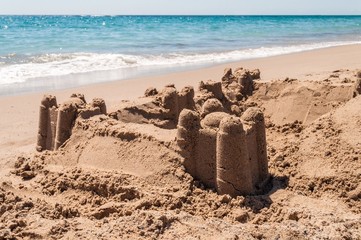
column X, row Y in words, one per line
column 224, row 151
column 161, row 110
column 251, row 141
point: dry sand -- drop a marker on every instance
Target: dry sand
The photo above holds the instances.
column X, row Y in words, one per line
column 128, row 182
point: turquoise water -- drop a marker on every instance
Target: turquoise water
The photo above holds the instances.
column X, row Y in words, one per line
column 76, row 50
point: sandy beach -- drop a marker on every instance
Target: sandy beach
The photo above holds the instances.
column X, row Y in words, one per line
column 321, row 197
column 19, row 114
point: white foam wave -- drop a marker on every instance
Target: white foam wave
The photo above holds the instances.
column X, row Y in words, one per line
column 63, row 64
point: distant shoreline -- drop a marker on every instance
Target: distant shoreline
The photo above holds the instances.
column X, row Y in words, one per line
column 73, row 80
column 69, row 81
column 294, row 65
column 192, row 15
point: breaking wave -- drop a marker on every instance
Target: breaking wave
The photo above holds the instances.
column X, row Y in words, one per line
column 17, row 69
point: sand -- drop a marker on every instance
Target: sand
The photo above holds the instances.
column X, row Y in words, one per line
column 116, row 179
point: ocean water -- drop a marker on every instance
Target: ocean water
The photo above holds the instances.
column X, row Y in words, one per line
column 46, row 52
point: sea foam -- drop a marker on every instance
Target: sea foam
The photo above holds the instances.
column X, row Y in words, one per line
column 15, row 69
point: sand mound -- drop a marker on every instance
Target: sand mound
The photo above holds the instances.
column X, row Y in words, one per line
column 290, row 100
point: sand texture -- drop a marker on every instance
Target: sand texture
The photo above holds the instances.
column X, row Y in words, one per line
column 154, row 167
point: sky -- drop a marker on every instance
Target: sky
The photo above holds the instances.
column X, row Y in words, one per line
column 181, row 7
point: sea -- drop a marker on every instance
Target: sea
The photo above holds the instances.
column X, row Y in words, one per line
column 54, row 52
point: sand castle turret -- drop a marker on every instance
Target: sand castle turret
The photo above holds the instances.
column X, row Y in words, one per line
column 185, row 99
column 170, row 101
column 357, row 86
column 253, row 120
column 206, row 148
column 47, row 123
column 225, row 152
column 66, row 117
column 175, row 101
column 234, row 171
column 187, row 137
column 56, row 122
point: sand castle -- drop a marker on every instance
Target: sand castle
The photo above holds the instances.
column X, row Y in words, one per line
column 221, row 149
column 56, row 122
column 219, row 134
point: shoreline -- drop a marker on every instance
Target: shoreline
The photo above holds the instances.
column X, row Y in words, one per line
column 81, row 79
column 171, row 71
column 19, row 114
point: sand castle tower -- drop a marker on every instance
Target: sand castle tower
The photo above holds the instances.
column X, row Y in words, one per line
column 225, row 152
column 357, row 85
column 47, row 123
column 175, row 101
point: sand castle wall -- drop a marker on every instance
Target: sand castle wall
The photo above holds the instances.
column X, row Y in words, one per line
column 159, row 108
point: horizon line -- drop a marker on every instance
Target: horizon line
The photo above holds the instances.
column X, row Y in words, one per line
column 186, row 15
